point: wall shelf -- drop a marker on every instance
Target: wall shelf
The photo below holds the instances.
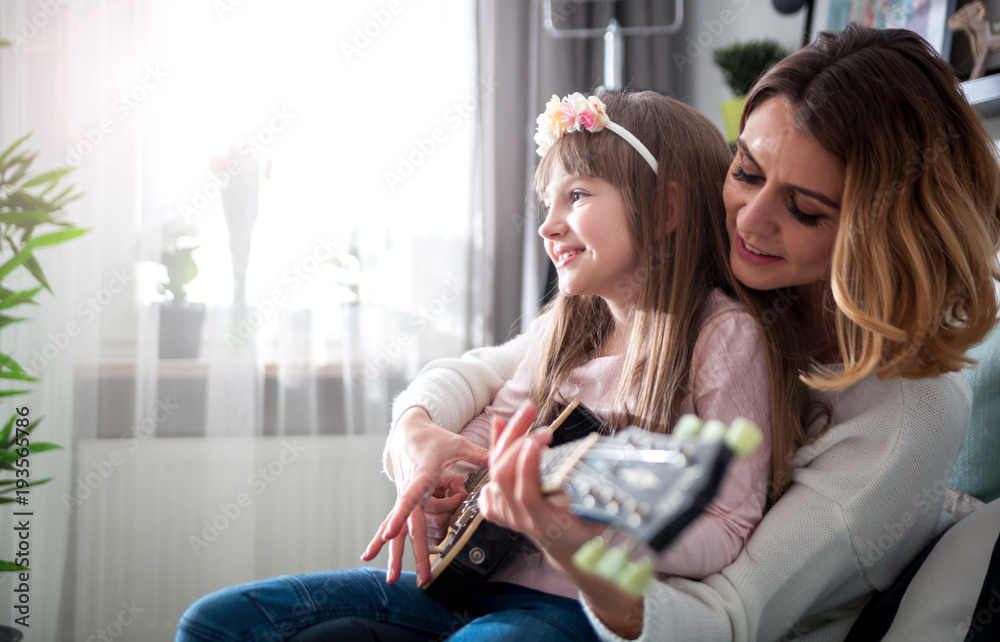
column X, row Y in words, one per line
column 984, row 94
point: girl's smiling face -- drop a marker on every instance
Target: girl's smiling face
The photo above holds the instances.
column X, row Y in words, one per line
column 782, row 196
column 587, row 237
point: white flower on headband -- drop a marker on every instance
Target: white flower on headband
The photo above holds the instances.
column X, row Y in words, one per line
column 573, row 113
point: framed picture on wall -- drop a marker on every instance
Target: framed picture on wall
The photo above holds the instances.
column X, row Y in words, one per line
column 987, row 31
column 929, row 18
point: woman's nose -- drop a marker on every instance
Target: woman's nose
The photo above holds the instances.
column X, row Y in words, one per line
column 757, row 215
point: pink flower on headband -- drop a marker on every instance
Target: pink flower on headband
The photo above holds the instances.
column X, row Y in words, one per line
column 573, row 113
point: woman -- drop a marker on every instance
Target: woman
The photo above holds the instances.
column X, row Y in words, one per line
column 867, row 192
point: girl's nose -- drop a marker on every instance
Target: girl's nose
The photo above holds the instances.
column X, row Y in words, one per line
column 553, row 226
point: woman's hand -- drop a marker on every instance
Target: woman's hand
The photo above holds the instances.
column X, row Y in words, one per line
column 513, row 499
column 419, row 453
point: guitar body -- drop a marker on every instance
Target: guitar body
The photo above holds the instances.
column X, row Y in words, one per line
column 474, row 547
column 647, row 486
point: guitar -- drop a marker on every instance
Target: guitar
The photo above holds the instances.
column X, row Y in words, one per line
column 646, row 485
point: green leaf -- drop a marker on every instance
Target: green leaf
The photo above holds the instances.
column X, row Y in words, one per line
column 54, row 238
column 5, row 433
column 8, row 435
column 6, row 567
column 23, row 217
column 30, row 485
column 9, row 298
column 18, row 376
column 28, row 201
column 8, row 361
column 11, row 393
column 14, row 261
column 42, row 446
column 6, row 320
column 10, row 150
column 58, row 202
column 52, row 175
column 32, row 266
column 7, row 456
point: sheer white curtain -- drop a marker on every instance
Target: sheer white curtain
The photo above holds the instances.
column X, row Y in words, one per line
column 317, row 158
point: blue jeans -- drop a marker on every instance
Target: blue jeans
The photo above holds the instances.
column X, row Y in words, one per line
column 279, row 608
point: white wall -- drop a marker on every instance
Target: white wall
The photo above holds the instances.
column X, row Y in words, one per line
column 710, row 24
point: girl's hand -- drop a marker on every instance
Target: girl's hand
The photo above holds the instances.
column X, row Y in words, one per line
column 419, row 453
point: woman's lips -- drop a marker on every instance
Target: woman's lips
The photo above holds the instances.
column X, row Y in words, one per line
column 750, row 256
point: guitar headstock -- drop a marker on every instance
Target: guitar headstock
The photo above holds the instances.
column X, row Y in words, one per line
column 647, row 485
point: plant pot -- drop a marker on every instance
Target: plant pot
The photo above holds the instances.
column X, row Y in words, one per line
column 9, row 634
column 732, row 109
column 180, row 330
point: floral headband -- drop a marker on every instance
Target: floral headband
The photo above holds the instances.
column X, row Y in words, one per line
column 575, row 113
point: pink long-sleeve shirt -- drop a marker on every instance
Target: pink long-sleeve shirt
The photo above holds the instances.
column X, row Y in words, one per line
column 728, row 379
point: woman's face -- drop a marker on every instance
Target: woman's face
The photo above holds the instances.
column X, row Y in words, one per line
column 782, row 195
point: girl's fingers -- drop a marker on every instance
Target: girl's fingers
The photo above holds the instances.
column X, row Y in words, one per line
column 421, row 552
column 375, row 546
column 413, row 494
column 395, row 564
column 438, row 512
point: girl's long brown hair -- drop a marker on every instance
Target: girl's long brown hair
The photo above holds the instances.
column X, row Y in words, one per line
column 678, row 271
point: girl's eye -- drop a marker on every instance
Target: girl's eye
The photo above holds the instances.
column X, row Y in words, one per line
column 741, row 175
column 575, row 196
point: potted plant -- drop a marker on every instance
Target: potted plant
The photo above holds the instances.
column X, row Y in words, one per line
column 27, row 203
column 742, row 63
column 180, row 319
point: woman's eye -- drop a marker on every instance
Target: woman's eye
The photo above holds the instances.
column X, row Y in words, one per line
column 809, row 220
column 741, row 175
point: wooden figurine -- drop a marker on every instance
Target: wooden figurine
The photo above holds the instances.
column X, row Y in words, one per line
column 984, row 34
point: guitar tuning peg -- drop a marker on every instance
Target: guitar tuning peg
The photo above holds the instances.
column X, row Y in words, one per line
column 714, row 431
column 743, row 436
column 585, row 558
column 635, row 576
column 687, row 426
column 612, row 562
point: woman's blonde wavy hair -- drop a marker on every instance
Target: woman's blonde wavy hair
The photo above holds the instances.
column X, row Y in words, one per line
column 915, row 258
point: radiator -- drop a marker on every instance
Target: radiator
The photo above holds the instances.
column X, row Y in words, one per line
column 166, row 521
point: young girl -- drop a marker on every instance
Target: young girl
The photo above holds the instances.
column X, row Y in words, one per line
column 640, row 332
